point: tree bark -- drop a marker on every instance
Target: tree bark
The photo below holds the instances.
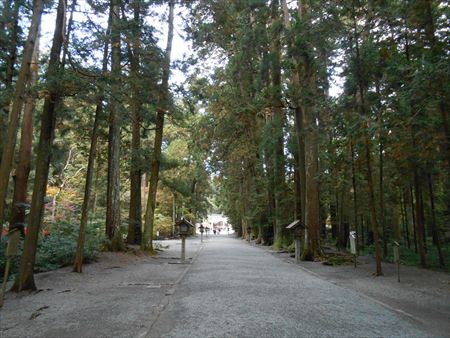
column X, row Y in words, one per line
column 135, row 212
column 25, row 278
column 405, row 216
column 147, row 240
column 355, row 195
column 18, row 100
column 277, row 124
column 435, row 229
column 360, row 98
column 115, row 123
column 298, row 120
column 78, row 260
column 420, row 221
column 11, row 24
column 312, row 192
column 381, row 188
column 413, row 216
column 26, row 139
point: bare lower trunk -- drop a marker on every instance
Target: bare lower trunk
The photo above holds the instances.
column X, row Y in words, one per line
column 405, row 217
column 419, row 217
column 312, row 193
column 26, row 139
column 373, row 212
column 147, row 240
column 355, row 201
column 435, row 229
column 381, row 188
column 78, row 261
column 419, row 211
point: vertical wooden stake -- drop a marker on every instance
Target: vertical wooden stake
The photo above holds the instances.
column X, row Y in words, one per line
column 297, row 248
column 397, row 258
column 183, row 248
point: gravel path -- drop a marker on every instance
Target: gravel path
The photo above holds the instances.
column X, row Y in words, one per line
column 236, row 290
column 231, row 289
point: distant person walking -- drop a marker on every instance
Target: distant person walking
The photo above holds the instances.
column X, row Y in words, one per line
column 214, row 231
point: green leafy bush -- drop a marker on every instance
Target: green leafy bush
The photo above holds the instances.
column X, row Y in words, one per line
column 57, row 249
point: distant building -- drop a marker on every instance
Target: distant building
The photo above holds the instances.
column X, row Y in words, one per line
column 217, row 222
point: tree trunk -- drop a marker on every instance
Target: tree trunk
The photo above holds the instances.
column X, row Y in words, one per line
column 95, row 188
column 277, row 124
column 355, row 195
column 381, row 188
column 298, row 121
column 25, row 278
column 297, row 187
column 135, row 212
column 435, row 229
column 411, row 197
column 14, row 116
column 78, row 260
column 115, row 123
column 11, row 24
column 147, row 240
column 26, row 139
column 360, row 98
column 405, row 216
column 420, row 221
column 312, row 193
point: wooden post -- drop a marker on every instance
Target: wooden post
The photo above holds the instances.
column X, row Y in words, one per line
column 353, row 245
column 397, row 258
column 183, row 248
column 298, row 243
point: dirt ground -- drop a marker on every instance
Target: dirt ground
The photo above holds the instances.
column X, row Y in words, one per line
column 100, row 302
column 422, row 295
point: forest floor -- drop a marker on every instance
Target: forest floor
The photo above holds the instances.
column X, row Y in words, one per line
column 422, row 295
column 120, row 295
column 225, row 292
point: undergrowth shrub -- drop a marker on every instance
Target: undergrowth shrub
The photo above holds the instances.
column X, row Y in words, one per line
column 58, row 248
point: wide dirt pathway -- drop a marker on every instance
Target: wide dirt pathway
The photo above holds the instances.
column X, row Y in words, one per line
column 233, row 289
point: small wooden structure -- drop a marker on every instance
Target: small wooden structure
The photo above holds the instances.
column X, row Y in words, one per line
column 184, row 228
column 297, row 227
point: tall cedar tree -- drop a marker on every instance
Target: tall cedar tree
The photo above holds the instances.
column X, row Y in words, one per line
column 25, row 278
column 147, row 239
column 115, row 125
column 17, row 104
